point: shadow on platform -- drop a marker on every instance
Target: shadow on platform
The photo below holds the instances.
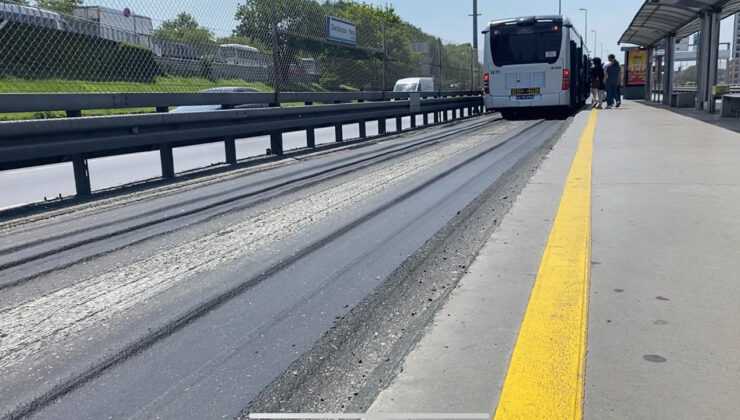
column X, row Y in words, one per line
column 732, row 124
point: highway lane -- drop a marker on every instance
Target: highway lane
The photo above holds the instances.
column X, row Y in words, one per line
column 28, row 185
column 38, row 244
column 194, row 319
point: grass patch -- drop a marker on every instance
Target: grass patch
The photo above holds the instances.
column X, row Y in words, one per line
column 348, row 88
column 15, row 116
column 302, row 87
column 162, row 84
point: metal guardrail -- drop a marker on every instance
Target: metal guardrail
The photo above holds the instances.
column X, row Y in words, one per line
column 74, row 103
column 733, row 89
column 39, row 142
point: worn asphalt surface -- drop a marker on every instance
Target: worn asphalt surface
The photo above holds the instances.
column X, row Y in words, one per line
column 28, row 185
column 214, row 296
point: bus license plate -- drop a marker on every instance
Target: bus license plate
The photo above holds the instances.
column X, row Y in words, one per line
column 524, row 97
column 525, row 91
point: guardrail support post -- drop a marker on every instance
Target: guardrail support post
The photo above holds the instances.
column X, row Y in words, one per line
column 436, row 117
column 363, row 130
column 230, row 149
column 310, row 138
column 413, row 120
column 381, row 126
column 310, row 133
column 163, row 109
column 276, row 143
column 168, row 162
column 82, row 176
column 338, row 137
column 446, row 117
column 399, row 124
column 73, row 113
column 425, row 119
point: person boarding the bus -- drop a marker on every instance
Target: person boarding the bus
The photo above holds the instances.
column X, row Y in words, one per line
column 612, row 71
column 597, row 83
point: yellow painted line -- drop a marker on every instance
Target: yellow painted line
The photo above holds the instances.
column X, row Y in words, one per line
column 546, row 374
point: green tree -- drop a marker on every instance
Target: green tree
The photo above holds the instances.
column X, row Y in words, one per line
column 184, row 28
column 60, row 6
column 300, row 27
column 362, row 67
column 457, row 62
column 301, row 32
column 686, row 75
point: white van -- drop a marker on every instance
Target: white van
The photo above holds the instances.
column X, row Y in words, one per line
column 415, row 84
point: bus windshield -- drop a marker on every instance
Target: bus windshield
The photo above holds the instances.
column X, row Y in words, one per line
column 537, row 43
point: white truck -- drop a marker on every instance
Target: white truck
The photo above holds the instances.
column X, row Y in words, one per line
column 415, row 84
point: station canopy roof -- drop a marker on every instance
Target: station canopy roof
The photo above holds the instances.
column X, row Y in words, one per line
column 658, row 18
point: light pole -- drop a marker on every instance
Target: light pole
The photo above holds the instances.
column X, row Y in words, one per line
column 601, row 44
column 475, row 24
column 586, row 31
column 474, row 51
column 560, row 7
column 594, row 32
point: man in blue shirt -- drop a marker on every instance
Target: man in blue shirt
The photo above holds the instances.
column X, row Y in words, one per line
column 612, row 71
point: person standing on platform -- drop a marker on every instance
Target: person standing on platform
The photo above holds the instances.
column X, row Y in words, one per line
column 612, row 70
column 597, row 83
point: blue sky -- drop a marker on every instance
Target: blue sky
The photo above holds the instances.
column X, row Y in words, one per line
column 447, row 19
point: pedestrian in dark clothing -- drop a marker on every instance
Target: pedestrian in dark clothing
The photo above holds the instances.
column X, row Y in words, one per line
column 596, row 76
column 612, row 71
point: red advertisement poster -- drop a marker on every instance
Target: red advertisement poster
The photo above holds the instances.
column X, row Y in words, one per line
column 636, row 68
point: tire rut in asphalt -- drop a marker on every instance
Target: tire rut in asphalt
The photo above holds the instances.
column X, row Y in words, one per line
column 363, row 353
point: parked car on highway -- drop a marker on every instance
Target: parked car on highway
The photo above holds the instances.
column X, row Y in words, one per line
column 415, row 84
column 215, row 107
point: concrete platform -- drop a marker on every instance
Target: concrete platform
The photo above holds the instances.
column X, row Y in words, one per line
column 662, row 334
column 732, row 124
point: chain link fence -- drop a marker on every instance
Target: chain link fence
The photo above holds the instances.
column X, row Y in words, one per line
column 83, row 46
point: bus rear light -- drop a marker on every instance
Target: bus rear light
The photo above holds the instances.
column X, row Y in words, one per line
column 566, row 79
column 487, row 83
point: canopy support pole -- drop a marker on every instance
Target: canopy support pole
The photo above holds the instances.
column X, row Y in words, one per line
column 714, row 21
column 670, row 52
column 649, row 74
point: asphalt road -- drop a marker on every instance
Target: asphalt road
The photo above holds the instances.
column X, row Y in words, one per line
column 187, row 300
column 28, row 185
